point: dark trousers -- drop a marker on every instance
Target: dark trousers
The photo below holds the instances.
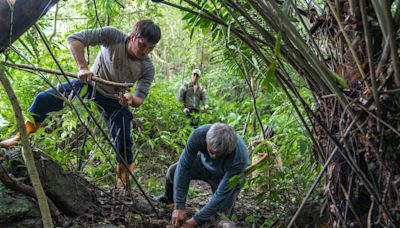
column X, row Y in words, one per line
column 199, row 172
column 117, row 118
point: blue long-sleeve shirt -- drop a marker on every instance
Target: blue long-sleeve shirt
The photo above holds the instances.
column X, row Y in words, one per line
column 223, row 168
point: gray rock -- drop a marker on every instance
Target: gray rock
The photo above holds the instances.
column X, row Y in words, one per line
column 69, row 192
column 15, row 207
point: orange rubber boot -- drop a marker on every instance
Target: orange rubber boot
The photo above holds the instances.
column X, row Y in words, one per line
column 123, row 175
column 13, row 141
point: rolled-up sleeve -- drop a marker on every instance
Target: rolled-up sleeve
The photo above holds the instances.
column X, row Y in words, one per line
column 101, row 36
column 144, row 83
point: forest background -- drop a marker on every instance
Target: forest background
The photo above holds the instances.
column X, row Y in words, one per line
column 241, row 94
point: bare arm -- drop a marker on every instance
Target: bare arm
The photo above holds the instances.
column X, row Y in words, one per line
column 136, row 101
column 78, row 52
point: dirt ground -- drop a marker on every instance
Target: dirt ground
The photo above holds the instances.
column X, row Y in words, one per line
column 246, row 211
column 115, row 214
column 114, row 208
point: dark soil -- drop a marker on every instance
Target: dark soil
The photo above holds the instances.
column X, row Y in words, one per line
column 114, row 208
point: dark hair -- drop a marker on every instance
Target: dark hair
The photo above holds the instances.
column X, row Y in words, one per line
column 147, row 29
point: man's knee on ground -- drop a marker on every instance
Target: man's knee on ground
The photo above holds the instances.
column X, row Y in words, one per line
column 171, row 172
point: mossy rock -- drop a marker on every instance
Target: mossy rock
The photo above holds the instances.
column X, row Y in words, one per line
column 17, row 210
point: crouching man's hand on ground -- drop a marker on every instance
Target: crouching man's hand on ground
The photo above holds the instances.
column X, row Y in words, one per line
column 178, row 217
column 191, row 223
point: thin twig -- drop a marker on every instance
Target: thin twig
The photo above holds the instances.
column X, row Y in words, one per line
column 380, row 120
column 310, row 191
column 350, row 46
column 346, row 196
column 368, row 43
column 393, row 45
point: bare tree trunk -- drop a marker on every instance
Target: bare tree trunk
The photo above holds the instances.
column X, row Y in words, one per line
column 27, row 153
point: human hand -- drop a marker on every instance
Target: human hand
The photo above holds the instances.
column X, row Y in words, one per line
column 191, row 223
column 124, row 99
column 85, row 75
column 206, row 107
column 178, row 217
column 186, row 110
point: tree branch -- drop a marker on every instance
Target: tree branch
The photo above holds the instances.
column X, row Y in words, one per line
column 56, row 72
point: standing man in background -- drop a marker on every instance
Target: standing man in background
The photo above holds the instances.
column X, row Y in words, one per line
column 122, row 59
column 190, row 94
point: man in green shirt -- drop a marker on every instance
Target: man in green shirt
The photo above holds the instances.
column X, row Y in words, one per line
column 191, row 94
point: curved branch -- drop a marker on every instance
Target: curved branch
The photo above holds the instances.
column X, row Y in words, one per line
column 56, row 72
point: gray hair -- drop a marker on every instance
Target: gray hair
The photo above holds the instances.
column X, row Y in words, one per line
column 221, row 138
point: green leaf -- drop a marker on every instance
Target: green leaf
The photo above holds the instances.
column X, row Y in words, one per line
column 255, row 63
column 250, row 219
column 83, row 90
column 138, row 217
column 266, row 84
column 187, row 16
column 26, row 47
column 340, row 81
column 234, row 180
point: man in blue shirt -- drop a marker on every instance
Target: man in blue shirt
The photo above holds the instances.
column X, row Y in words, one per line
column 213, row 153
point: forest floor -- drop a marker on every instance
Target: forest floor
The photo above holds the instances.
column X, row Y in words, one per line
column 246, row 213
column 114, row 208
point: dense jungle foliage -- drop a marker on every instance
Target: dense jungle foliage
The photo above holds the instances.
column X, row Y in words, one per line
column 241, row 90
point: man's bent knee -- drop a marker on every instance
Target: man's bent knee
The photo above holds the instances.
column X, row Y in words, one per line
column 171, row 172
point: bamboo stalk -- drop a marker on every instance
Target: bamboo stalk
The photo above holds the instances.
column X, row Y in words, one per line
column 392, row 42
column 347, row 39
column 27, row 153
column 323, row 72
column 368, row 43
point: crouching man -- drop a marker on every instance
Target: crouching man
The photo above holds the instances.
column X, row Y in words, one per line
column 213, row 153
